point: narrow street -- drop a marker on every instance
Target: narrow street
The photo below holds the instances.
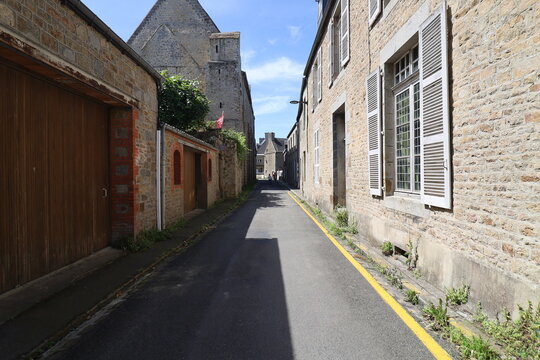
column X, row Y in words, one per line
column 265, row 284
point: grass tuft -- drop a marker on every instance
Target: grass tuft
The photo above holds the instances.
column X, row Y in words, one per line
column 458, row 296
column 412, row 297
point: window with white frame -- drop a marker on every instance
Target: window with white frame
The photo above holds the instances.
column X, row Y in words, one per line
column 338, row 40
column 316, row 74
column 407, row 123
column 316, row 160
column 418, row 120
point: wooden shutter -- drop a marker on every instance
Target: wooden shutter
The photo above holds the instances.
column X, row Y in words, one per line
column 373, row 105
column 319, row 75
column 344, row 32
column 434, row 111
column 374, row 10
column 330, row 53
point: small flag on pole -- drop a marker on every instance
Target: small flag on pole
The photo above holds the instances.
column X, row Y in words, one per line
column 219, row 122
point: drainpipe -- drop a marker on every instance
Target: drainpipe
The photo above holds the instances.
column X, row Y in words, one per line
column 163, row 135
column 158, row 178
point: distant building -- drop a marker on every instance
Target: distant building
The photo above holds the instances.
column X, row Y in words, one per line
column 291, row 173
column 180, row 37
column 270, row 154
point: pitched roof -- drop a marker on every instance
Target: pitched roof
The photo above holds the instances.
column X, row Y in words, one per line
column 279, row 145
column 194, row 3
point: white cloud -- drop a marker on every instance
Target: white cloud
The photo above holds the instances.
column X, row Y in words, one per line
column 270, row 105
column 294, row 33
column 272, row 41
column 247, row 56
column 281, row 69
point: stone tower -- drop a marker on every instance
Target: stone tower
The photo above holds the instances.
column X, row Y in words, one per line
column 179, row 36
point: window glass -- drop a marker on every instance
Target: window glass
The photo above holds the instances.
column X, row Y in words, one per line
column 403, row 140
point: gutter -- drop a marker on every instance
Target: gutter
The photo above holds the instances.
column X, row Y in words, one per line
column 91, row 19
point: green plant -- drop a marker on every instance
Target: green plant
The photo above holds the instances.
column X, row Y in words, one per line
column 144, row 240
column 476, row 348
column 342, row 216
column 387, row 248
column 412, row 297
column 519, row 338
column 458, row 296
column 181, row 103
column 412, row 256
column 242, row 149
column 438, row 315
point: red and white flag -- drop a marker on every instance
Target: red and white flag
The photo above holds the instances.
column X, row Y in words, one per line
column 219, row 122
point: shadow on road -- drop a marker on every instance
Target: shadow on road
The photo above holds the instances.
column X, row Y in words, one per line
column 222, row 299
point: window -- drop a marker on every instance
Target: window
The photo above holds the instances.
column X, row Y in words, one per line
column 316, row 164
column 177, row 172
column 209, row 169
column 316, row 74
column 304, row 167
column 416, row 93
column 320, row 11
column 338, row 40
column 407, row 120
column 406, row 66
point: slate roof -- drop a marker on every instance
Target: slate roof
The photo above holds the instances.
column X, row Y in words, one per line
column 279, row 144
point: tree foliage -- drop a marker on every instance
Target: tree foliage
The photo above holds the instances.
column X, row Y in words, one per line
column 181, row 103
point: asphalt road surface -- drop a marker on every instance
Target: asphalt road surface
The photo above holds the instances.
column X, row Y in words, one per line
column 265, row 284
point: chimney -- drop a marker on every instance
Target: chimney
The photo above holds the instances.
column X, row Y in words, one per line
column 269, row 137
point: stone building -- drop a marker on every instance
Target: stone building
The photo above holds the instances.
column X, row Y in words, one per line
column 270, row 153
column 180, row 37
column 291, row 173
column 190, row 175
column 78, row 138
column 422, row 119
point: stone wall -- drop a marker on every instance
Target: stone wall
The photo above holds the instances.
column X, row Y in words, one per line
column 490, row 238
column 173, row 194
column 175, row 37
column 230, row 170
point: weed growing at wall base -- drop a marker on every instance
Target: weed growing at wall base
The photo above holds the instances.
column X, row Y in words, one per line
column 519, row 338
column 458, row 296
column 412, row 297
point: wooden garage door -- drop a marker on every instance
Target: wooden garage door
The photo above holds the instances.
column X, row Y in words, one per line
column 54, row 178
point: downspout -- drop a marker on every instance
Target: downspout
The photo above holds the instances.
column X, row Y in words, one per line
column 158, row 178
column 160, row 171
column 162, row 163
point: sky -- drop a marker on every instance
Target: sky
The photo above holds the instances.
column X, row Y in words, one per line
column 276, row 38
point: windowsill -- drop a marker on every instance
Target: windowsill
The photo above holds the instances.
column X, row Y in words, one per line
column 407, row 203
column 388, row 8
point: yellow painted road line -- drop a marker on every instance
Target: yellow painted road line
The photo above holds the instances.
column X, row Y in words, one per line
column 430, row 343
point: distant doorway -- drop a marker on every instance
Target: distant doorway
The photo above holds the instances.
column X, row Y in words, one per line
column 190, row 182
column 339, row 178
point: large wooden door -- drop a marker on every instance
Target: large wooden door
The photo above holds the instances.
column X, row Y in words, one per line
column 54, row 180
column 190, row 183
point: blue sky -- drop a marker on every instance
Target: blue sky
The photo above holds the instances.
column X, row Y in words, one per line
column 276, row 37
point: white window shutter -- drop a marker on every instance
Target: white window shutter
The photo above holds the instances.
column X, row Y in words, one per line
column 344, row 32
column 330, row 53
column 314, row 85
column 373, row 106
column 375, row 7
column 434, row 111
column 319, row 76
